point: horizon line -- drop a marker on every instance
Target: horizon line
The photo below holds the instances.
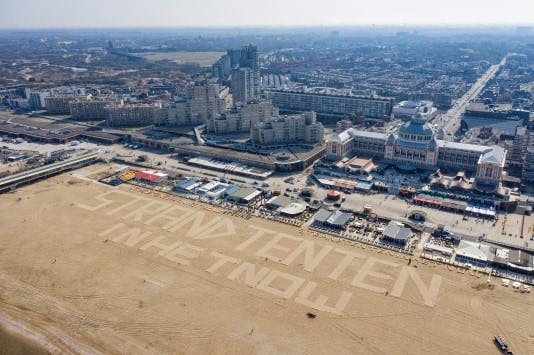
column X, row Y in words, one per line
column 303, row 26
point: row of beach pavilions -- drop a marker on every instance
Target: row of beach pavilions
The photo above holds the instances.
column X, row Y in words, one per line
column 454, row 205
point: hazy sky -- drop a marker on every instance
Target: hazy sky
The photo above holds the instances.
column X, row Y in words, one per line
column 234, row 13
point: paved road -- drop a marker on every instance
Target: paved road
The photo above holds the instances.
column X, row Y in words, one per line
column 450, row 121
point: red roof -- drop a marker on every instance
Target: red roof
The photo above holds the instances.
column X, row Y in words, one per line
column 151, row 176
column 427, row 200
column 333, row 194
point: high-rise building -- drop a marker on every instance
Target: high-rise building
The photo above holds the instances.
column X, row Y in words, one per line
column 243, row 85
column 37, row 99
column 201, row 102
column 283, row 130
column 222, row 68
column 522, row 141
column 244, row 67
column 250, row 59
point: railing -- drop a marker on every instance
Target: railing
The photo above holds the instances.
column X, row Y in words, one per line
column 47, row 170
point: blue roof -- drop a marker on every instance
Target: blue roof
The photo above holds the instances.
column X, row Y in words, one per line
column 411, row 144
column 416, row 128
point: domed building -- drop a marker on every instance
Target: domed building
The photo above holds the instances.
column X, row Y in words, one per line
column 415, row 144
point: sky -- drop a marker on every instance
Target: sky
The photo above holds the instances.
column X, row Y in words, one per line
column 27, row 14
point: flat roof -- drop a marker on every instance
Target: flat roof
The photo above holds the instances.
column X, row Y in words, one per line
column 322, row 215
column 462, row 146
column 371, row 98
column 440, row 248
column 280, row 201
column 293, row 208
column 335, row 218
column 188, row 184
column 395, row 230
column 367, row 134
column 473, row 250
column 359, row 162
column 245, row 193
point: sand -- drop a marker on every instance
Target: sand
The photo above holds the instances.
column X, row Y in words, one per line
column 204, row 59
column 86, row 268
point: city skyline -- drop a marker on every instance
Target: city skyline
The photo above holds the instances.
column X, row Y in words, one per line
column 30, row 14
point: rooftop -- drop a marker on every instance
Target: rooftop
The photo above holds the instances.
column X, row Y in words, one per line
column 495, row 155
column 416, row 127
column 245, row 193
column 462, row 146
column 397, row 231
column 293, row 208
column 280, row 201
column 367, row 134
column 474, row 250
column 481, row 107
column 334, row 218
column 348, row 96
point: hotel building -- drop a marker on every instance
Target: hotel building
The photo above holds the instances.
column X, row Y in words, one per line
column 415, row 146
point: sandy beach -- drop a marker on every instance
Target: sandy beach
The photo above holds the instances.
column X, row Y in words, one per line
column 86, row 268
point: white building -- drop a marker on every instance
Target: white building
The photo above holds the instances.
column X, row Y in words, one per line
column 416, row 145
column 199, row 104
column 241, row 118
column 302, row 128
column 330, row 105
column 407, row 110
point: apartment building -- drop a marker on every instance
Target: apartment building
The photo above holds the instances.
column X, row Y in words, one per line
column 283, row 130
column 243, row 85
column 201, row 102
column 58, row 105
column 37, row 99
column 132, row 115
column 244, row 67
column 241, row 118
column 89, row 108
column 331, row 105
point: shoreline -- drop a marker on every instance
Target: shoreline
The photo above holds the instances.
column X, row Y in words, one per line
column 17, row 338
